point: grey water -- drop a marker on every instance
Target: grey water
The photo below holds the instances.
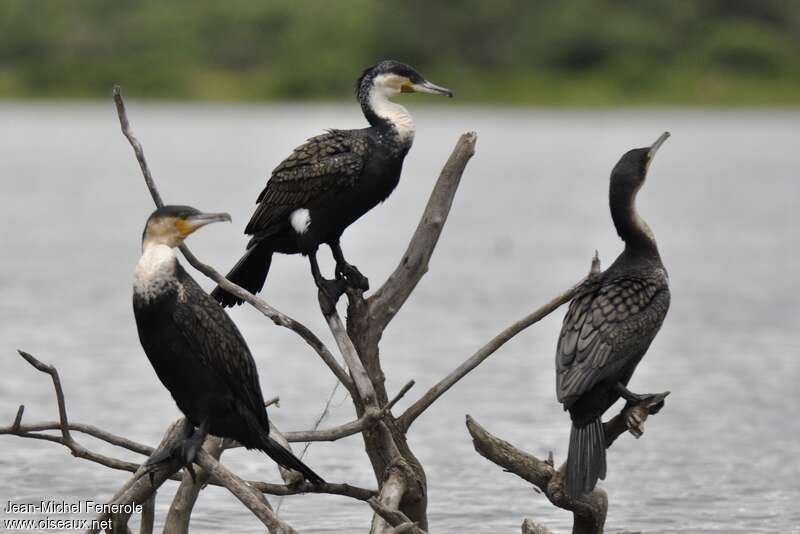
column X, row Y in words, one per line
column 721, row 197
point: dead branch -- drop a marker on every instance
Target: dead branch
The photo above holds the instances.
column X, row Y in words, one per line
column 348, row 429
column 65, row 437
column 391, row 296
column 148, row 516
column 140, row 488
column 388, row 502
column 247, row 495
column 414, row 411
column 144, row 482
column 90, row 430
column 588, row 511
column 364, row 386
column 398, row 520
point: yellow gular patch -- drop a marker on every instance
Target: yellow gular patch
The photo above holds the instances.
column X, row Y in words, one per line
column 183, row 227
column 407, row 86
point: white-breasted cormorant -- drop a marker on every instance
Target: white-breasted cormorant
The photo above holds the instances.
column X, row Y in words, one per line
column 194, row 347
column 329, row 182
column 609, row 326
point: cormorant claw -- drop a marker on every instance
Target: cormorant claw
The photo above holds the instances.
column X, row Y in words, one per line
column 354, row 278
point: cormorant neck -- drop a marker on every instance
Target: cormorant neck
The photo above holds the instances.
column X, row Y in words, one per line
column 633, row 230
column 156, row 269
column 380, row 111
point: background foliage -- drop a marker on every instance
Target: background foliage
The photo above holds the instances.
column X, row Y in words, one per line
column 580, row 52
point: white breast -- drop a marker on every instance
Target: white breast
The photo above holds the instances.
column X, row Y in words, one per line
column 155, row 271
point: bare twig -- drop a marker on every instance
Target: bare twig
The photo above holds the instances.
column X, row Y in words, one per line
column 89, row 430
column 62, row 407
column 414, row 411
column 18, row 418
column 277, row 317
column 364, row 387
column 390, row 297
column 348, row 429
column 65, row 438
column 137, row 147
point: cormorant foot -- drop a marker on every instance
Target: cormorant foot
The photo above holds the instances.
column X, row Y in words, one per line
column 354, row 278
column 639, row 398
column 183, row 452
column 637, row 411
column 329, row 293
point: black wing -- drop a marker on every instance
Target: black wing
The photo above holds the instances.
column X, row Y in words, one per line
column 324, row 164
column 217, row 343
column 598, row 318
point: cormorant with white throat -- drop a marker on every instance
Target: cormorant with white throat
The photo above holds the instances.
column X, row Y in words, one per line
column 609, row 326
column 329, row 182
column 196, row 350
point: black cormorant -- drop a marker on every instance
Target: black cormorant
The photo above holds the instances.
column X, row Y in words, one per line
column 609, row 326
column 329, row 182
column 194, row 347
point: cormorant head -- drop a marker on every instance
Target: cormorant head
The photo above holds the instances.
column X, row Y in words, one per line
column 629, row 173
column 170, row 225
column 390, row 78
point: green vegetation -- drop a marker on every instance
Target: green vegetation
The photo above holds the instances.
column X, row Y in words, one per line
column 541, row 52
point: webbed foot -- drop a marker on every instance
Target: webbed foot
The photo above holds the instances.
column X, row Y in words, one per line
column 353, row 276
column 183, row 452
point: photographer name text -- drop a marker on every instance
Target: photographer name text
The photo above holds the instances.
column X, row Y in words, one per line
column 66, row 507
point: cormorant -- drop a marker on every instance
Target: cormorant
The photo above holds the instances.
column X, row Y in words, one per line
column 609, row 326
column 329, row 182
column 194, row 347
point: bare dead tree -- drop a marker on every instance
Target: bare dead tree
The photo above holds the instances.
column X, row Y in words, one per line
column 399, row 504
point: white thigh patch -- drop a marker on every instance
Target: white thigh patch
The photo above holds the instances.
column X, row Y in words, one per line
column 300, row 220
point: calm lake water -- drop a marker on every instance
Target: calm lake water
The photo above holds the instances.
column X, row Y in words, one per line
column 721, row 197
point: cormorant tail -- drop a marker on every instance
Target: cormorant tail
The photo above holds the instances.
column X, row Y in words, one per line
column 286, row 459
column 250, row 272
column 586, row 462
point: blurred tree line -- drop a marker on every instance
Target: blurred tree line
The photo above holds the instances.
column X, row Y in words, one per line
column 576, row 52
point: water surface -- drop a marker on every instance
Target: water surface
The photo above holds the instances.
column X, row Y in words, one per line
column 721, row 197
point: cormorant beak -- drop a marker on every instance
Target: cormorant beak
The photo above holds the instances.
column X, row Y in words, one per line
column 655, row 146
column 193, row 222
column 425, row 87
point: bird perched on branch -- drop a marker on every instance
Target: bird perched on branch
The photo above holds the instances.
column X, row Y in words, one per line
column 196, row 350
column 609, row 326
column 329, row 182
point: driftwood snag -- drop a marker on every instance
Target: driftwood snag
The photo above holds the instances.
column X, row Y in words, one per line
column 589, row 511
